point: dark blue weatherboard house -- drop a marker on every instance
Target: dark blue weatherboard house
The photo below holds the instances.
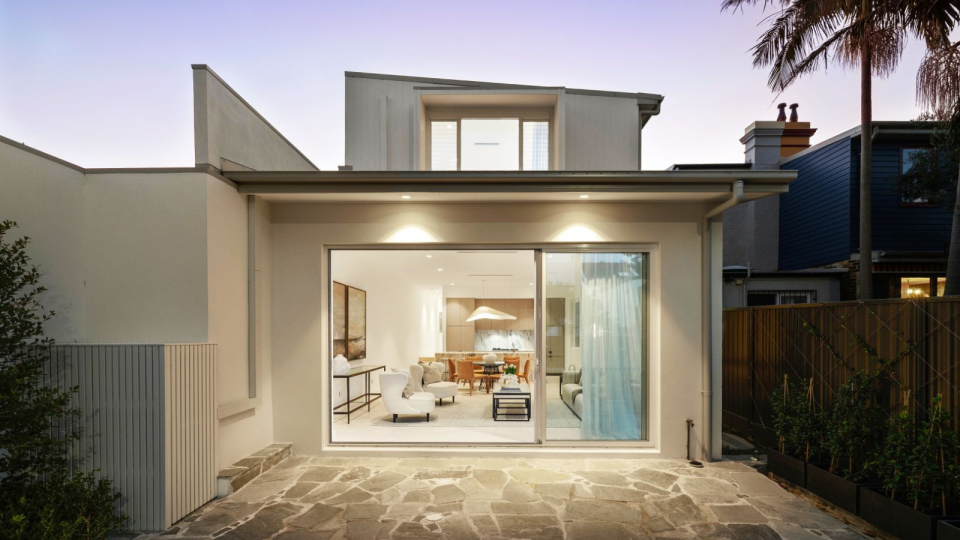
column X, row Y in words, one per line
column 819, row 217
column 803, row 246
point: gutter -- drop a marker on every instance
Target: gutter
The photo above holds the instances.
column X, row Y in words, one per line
column 736, row 197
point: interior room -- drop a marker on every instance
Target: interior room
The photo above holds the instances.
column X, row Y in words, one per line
column 452, row 324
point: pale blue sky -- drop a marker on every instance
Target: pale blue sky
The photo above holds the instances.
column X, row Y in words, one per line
column 108, row 83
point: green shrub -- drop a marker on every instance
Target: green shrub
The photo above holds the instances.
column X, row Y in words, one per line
column 797, row 421
column 39, row 496
column 855, row 426
column 918, row 462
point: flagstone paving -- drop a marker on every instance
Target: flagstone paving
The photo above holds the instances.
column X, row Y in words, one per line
column 306, row 498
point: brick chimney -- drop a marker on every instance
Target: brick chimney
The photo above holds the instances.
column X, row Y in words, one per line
column 766, row 143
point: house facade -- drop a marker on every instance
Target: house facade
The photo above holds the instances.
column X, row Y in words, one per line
column 802, row 246
column 252, row 299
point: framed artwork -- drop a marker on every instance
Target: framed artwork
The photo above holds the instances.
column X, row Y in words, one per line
column 356, row 323
column 339, row 322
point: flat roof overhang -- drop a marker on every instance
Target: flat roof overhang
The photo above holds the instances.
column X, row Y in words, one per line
column 508, row 186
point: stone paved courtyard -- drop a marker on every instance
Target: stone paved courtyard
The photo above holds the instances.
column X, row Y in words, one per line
column 368, row 498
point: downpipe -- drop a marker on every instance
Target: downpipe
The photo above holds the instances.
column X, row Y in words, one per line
column 736, row 197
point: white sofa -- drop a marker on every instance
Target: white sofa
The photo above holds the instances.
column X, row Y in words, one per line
column 440, row 390
column 391, row 391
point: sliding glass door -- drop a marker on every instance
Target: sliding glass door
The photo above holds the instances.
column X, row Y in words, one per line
column 596, row 319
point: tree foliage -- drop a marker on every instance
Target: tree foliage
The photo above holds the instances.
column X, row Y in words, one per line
column 39, row 496
column 932, row 176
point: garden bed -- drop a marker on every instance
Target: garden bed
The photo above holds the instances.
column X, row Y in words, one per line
column 837, row 490
column 901, row 520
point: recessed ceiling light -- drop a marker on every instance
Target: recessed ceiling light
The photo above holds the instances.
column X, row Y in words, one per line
column 531, row 283
column 584, row 196
column 439, row 269
column 453, row 283
column 429, row 256
column 404, row 196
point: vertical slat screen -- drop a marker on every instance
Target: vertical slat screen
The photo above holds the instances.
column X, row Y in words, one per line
column 148, row 423
column 192, row 443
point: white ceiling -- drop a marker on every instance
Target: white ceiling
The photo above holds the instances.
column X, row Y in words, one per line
column 459, row 268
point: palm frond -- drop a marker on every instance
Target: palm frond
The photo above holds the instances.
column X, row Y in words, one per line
column 938, row 79
column 739, row 4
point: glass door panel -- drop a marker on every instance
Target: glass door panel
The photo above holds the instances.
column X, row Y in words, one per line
column 596, row 320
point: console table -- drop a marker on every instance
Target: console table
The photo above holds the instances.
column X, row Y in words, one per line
column 367, row 396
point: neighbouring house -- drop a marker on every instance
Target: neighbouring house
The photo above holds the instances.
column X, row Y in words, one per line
column 802, row 246
column 490, row 272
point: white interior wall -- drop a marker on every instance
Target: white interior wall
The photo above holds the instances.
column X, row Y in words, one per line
column 395, row 311
column 431, row 336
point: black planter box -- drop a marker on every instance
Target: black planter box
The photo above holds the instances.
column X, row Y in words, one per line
column 789, row 468
column 841, row 492
column 897, row 518
column 948, row 529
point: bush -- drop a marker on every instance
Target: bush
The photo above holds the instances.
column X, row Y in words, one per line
column 797, row 421
column 918, row 463
column 39, row 496
column 855, row 426
column 63, row 507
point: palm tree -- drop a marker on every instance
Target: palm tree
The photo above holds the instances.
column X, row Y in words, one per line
column 938, row 89
column 806, row 35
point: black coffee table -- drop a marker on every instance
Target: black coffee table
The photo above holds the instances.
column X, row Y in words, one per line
column 511, row 405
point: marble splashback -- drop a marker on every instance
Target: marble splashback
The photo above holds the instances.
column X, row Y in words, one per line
column 488, row 340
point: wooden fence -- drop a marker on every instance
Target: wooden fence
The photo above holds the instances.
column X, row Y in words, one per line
column 829, row 342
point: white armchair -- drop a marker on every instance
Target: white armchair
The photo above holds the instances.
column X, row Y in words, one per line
column 440, row 390
column 391, row 390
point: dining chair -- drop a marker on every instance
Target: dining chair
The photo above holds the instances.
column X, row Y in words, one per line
column 476, row 369
column 452, row 367
column 512, row 361
column 465, row 373
column 523, row 375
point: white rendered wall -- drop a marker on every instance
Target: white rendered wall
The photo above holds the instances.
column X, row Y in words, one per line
column 226, row 126
column 145, row 258
column 45, row 198
column 300, row 291
column 249, row 431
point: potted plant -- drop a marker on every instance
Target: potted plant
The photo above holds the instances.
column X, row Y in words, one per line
column 918, row 470
column 852, row 437
column 798, row 425
column 509, row 378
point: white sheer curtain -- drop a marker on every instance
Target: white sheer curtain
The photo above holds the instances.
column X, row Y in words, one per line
column 613, row 356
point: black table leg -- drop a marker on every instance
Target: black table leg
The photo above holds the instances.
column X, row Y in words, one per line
column 348, row 401
column 368, row 391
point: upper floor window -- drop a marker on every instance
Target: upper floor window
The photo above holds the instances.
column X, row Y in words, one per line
column 489, row 144
column 913, row 191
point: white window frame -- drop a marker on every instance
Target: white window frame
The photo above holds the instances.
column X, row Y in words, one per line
column 440, row 117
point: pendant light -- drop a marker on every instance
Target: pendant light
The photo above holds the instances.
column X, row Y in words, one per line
column 486, row 312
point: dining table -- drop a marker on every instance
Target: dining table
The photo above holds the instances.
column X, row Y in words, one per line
column 489, row 368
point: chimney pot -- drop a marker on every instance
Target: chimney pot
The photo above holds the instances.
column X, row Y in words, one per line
column 782, row 117
column 794, row 117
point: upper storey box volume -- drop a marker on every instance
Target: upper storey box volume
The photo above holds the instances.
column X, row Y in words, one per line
column 399, row 123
